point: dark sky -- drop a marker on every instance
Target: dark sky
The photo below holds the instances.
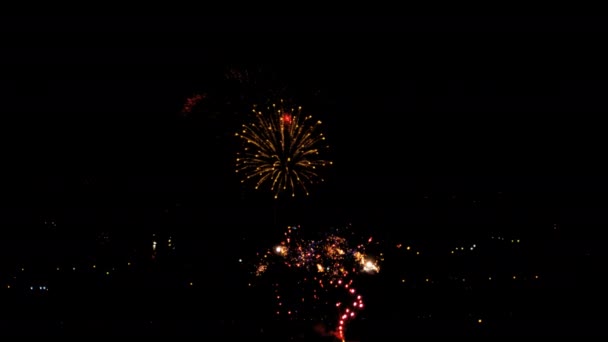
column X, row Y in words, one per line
column 411, row 104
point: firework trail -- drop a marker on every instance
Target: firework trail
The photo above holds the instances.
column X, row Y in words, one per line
column 326, row 268
column 282, row 150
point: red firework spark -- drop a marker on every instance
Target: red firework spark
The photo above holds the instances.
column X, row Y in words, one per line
column 191, row 102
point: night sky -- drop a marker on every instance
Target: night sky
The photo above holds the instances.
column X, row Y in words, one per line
column 445, row 132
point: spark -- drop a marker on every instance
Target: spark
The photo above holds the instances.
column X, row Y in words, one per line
column 191, row 102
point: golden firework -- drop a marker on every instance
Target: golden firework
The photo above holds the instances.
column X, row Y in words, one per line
column 282, row 150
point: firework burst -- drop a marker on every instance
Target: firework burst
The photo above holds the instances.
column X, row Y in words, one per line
column 324, row 270
column 282, row 150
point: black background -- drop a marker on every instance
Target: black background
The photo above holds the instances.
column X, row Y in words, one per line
column 506, row 112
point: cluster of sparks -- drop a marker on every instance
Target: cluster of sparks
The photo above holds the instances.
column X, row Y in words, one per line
column 191, row 102
column 281, row 150
column 328, row 264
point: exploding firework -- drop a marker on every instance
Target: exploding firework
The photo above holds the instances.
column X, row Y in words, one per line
column 282, row 150
column 324, row 270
